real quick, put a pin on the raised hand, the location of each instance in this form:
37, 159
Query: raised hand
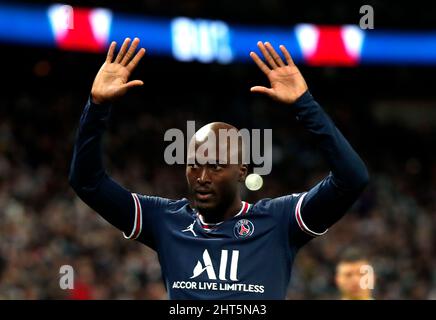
111, 81
287, 83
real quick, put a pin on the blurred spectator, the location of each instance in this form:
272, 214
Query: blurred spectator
355, 277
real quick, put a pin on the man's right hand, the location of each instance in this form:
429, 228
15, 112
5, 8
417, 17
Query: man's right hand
111, 81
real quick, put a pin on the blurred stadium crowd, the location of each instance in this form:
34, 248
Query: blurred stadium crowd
43, 225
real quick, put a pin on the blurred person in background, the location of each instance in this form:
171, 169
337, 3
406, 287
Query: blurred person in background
354, 276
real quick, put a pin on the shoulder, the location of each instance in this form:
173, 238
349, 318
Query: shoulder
149, 210
159, 203
279, 205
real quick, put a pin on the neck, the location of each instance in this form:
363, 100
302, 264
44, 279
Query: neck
363, 296
220, 214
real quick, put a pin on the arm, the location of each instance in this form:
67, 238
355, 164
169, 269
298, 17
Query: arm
328, 201
87, 175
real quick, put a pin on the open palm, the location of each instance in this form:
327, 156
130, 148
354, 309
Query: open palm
112, 80
287, 83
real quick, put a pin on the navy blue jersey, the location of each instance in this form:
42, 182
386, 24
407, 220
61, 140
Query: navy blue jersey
248, 256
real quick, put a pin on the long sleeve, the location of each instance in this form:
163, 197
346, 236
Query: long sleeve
88, 177
327, 201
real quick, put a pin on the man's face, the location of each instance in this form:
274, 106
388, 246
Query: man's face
213, 186
213, 176
348, 279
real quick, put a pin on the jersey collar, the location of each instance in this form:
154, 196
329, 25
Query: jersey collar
207, 226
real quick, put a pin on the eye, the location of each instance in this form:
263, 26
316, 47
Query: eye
216, 167
193, 165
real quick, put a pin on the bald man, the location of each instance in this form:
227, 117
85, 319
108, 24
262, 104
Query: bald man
215, 245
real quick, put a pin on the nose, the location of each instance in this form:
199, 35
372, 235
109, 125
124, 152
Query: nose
204, 176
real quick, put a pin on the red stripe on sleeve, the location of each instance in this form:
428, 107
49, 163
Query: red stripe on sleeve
138, 217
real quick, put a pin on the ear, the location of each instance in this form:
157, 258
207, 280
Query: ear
243, 170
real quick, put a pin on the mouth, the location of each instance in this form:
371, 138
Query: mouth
203, 195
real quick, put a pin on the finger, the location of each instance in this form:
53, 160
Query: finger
288, 57
130, 52
133, 83
134, 62
263, 90
122, 50
266, 55
262, 66
277, 59
110, 52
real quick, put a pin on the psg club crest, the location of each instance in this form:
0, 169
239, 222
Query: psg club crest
243, 228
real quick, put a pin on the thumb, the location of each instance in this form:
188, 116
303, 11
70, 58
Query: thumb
263, 90
133, 83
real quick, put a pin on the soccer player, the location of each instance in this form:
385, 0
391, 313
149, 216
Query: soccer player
354, 276
217, 246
